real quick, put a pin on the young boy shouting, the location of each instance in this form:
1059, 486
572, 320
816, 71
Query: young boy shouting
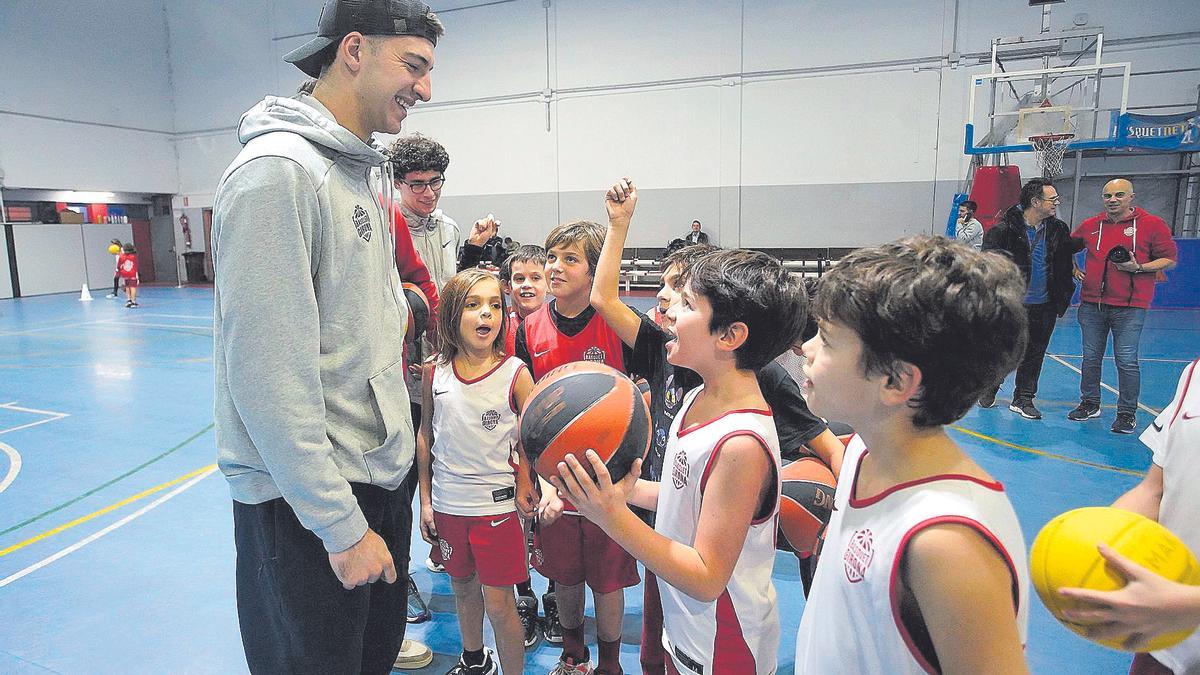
713, 543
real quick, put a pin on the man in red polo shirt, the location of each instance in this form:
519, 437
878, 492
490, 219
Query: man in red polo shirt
1118, 286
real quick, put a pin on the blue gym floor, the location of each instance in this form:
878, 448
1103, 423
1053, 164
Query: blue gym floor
116, 546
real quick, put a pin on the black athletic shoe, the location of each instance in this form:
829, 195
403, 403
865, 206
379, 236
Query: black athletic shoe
488, 667
1084, 411
418, 611
1124, 424
551, 628
988, 400
527, 610
1024, 408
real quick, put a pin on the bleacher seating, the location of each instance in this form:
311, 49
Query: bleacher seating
639, 266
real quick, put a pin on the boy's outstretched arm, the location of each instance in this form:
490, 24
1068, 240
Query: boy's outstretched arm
620, 201
965, 592
739, 481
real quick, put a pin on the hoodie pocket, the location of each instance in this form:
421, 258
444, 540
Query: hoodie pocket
388, 464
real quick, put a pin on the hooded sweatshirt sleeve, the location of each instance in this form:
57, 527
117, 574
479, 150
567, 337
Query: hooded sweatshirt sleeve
267, 242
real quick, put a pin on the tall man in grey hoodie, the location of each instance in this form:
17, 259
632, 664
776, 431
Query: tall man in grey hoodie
312, 416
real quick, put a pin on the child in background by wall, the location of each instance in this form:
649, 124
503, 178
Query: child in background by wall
116, 270
469, 463
127, 269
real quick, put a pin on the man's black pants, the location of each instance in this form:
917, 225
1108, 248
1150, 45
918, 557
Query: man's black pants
295, 616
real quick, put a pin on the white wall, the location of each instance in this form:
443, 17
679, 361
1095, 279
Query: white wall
752, 116
86, 96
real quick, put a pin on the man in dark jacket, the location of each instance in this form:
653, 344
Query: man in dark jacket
1041, 245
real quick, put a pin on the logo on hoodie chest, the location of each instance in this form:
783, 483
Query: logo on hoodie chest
362, 222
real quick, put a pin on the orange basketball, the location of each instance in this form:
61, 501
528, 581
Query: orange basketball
805, 504
581, 406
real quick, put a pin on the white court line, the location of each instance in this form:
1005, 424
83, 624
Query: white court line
53, 416
93, 537
46, 328
1110, 358
192, 326
14, 465
1141, 405
206, 317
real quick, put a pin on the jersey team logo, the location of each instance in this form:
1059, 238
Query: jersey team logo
858, 555
362, 223
446, 549
679, 472
660, 438
593, 354
490, 419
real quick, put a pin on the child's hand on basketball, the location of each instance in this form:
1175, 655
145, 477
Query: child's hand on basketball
428, 527
550, 507
595, 499
1149, 605
620, 201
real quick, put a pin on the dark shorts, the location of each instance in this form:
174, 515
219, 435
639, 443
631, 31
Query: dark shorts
574, 550
295, 616
492, 546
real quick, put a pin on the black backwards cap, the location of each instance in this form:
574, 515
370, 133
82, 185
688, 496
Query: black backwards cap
369, 17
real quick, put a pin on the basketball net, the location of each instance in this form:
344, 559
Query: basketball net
1050, 150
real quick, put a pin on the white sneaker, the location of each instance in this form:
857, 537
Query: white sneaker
413, 655
435, 567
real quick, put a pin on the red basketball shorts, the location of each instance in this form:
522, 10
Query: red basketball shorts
573, 549
492, 546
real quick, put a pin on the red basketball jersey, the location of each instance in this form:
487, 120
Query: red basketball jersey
127, 266
550, 348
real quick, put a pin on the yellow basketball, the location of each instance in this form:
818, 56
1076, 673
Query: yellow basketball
1064, 555
114, 249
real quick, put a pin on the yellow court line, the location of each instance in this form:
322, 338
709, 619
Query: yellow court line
107, 509
1049, 455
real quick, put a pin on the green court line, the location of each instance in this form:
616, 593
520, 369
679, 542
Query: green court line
98, 488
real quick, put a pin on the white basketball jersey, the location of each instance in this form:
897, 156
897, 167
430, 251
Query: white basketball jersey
1174, 437
739, 632
851, 623
474, 438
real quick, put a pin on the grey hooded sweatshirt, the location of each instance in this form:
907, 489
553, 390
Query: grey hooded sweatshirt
310, 393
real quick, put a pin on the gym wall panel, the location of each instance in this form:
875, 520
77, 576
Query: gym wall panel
494, 149
491, 50
202, 160
50, 259
840, 129
526, 217
221, 59
663, 138
835, 214
92, 60
662, 214
39, 153
623, 41
784, 35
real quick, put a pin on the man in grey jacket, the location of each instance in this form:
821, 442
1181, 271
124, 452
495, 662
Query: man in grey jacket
312, 416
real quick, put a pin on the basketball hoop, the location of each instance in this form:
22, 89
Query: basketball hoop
1050, 150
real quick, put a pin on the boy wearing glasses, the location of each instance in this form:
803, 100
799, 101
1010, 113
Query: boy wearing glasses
1041, 245
419, 166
